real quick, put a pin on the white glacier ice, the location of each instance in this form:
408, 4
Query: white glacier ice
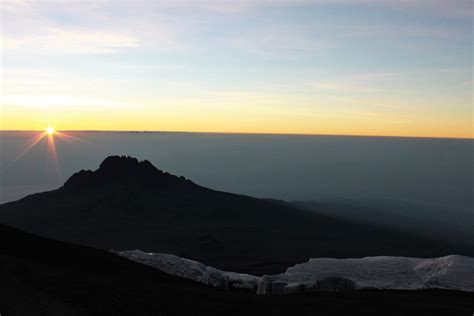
450, 272
192, 270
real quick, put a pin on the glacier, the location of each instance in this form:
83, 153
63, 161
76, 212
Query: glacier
452, 272
193, 270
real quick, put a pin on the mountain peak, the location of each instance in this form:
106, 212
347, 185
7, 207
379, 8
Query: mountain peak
125, 164
125, 171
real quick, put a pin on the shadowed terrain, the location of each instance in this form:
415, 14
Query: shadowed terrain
446, 223
127, 204
40, 276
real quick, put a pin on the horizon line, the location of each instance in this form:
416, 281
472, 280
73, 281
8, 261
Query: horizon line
244, 133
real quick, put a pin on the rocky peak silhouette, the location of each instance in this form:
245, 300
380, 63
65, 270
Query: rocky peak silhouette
126, 171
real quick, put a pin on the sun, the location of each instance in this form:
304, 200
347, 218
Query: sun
49, 130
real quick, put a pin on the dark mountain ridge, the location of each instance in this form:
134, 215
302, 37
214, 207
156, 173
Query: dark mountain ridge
41, 276
127, 171
127, 204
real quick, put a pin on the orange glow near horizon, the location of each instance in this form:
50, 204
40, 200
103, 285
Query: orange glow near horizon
448, 134
332, 119
257, 123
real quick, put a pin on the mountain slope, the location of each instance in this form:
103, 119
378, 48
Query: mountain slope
39, 276
429, 220
127, 204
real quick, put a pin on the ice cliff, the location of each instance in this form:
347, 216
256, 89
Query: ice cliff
450, 272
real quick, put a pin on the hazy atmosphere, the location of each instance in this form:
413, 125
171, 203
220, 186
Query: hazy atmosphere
434, 171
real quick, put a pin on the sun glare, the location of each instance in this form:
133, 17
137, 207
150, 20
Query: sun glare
49, 130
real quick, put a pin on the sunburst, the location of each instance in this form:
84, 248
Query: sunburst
49, 133
49, 130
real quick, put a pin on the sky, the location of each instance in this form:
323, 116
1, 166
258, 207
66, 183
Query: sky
350, 67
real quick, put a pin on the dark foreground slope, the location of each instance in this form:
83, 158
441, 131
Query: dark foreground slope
39, 276
127, 204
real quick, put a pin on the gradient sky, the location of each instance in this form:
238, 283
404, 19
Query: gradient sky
359, 67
